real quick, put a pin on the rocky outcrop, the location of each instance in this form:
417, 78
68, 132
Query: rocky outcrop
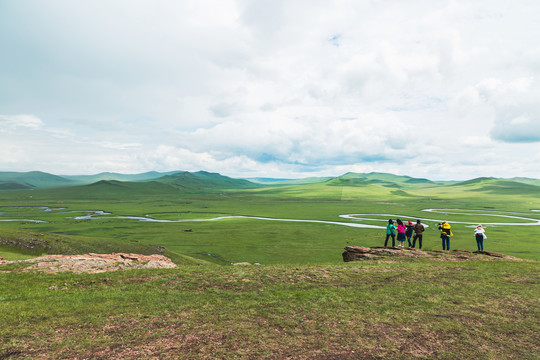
354, 253
96, 263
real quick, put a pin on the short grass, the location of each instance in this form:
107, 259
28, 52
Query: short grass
411, 310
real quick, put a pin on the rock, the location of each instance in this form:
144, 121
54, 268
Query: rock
386, 251
354, 253
242, 264
357, 249
353, 256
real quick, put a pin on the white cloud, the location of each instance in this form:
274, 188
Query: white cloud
513, 104
20, 121
273, 86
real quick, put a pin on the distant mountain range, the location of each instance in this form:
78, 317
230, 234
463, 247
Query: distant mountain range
88, 179
179, 179
202, 180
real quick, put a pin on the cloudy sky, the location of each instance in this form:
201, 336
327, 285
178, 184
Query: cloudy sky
274, 88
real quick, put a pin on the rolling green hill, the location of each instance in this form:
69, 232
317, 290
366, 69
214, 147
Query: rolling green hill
184, 180
526, 180
89, 179
352, 179
384, 179
203, 180
164, 187
475, 181
109, 190
14, 186
32, 179
511, 188
272, 181
498, 186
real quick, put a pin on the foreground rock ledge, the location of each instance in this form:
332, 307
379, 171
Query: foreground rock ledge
355, 253
95, 263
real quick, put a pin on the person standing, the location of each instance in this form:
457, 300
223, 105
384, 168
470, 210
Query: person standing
390, 231
446, 232
418, 230
401, 228
409, 232
480, 235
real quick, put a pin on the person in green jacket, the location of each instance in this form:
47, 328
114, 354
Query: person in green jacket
390, 231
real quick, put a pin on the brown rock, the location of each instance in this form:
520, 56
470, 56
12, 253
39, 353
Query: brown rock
357, 249
354, 256
386, 251
353, 253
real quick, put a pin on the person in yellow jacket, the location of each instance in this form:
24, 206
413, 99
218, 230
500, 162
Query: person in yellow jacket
446, 232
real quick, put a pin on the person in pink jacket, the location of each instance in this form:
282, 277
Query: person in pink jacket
401, 229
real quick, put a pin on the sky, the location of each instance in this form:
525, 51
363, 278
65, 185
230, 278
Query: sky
445, 90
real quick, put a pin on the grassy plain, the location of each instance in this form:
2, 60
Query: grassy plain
303, 302
266, 242
412, 310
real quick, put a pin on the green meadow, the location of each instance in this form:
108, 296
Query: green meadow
233, 240
301, 302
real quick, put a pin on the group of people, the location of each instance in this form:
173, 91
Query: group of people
405, 232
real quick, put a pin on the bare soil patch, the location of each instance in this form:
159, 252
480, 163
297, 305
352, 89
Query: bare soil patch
94, 263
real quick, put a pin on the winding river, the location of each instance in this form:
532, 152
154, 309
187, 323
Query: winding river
525, 221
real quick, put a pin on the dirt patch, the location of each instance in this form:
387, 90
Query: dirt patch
94, 263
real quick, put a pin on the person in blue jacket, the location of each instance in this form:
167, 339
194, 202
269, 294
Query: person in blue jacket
409, 232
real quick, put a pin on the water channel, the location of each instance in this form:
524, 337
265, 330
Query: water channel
526, 221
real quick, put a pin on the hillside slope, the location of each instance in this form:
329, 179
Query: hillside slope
203, 180
89, 179
498, 186
32, 180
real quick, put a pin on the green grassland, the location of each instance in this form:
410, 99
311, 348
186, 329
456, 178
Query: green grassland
303, 302
412, 310
183, 196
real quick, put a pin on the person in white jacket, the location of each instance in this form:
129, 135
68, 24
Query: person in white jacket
480, 235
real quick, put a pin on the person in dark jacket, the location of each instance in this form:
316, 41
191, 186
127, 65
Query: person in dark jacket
409, 232
418, 230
